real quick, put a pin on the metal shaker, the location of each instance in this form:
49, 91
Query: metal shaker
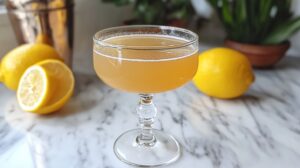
44, 21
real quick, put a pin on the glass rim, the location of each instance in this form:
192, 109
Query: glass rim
185, 44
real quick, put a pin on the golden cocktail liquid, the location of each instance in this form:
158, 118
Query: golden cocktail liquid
141, 70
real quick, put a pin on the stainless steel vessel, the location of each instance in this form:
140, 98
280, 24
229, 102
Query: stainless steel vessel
44, 21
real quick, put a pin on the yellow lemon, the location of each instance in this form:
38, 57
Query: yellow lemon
223, 73
34, 91
61, 84
14, 63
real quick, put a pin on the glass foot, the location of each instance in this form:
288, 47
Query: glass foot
163, 150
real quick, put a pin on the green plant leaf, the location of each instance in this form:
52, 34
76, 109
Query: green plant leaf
226, 13
158, 11
178, 2
265, 8
213, 3
283, 33
240, 18
119, 2
180, 14
241, 11
264, 19
150, 12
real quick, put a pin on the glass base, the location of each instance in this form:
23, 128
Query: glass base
165, 149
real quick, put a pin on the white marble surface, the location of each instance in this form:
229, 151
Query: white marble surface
258, 130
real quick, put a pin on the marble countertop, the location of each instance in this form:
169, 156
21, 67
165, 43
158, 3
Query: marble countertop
259, 130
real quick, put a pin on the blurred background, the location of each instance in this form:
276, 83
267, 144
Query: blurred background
93, 15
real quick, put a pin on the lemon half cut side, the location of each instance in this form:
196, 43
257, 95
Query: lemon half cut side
33, 91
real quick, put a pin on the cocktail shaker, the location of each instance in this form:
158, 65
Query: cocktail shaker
44, 21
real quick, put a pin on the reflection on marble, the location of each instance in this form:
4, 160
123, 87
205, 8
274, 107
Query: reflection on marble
258, 130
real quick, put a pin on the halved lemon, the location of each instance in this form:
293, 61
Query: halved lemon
45, 87
34, 88
63, 82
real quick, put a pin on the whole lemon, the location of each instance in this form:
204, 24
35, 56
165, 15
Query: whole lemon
223, 73
14, 63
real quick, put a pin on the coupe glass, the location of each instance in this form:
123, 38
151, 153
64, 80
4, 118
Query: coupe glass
146, 60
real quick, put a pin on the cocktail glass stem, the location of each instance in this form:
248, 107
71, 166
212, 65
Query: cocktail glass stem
147, 113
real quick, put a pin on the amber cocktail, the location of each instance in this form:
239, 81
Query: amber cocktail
146, 60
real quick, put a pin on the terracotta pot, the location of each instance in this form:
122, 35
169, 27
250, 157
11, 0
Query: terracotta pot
260, 56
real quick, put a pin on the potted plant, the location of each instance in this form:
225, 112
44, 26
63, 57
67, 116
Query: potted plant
258, 28
159, 12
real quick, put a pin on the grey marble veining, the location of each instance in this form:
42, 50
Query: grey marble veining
259, 130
